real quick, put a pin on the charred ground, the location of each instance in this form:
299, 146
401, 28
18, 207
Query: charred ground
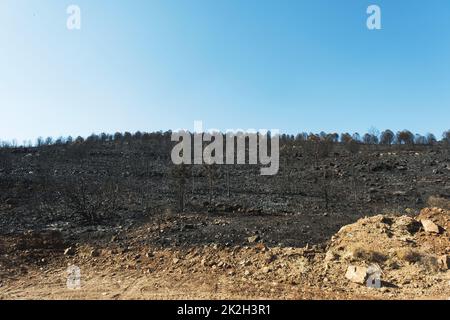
109, 183
127, 194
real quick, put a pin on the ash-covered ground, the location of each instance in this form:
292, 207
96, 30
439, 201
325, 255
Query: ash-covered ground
105, 198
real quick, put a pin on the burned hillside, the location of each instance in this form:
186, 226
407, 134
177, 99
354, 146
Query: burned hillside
104, 182
119, 202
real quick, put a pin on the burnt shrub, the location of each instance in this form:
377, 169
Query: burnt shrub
93, 201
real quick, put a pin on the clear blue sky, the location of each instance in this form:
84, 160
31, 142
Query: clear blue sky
276, 64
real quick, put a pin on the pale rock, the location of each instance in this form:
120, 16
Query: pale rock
356, 274
253, 239
69, 251
429, 226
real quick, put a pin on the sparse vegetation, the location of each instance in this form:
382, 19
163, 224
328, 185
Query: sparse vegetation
369, 255
409, 255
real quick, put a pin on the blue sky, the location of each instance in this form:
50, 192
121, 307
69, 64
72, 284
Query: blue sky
161, 64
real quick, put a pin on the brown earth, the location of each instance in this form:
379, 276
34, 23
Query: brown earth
125, 266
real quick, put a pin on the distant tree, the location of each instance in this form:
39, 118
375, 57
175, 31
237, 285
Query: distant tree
356, 137
48, 141
79, 140
420, 139
146, 137
40, 142
431, 139
405, 137
301, 136
387, 137
346, 138
138, 135
118, 137
103, 137
323, 135
375, 133
93, 138
333, 137
127, 136
446, 137
5, 144
60, 141
366, 138
370, 139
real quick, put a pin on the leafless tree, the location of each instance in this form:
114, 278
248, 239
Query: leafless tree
211, 174
325, 182
180, 175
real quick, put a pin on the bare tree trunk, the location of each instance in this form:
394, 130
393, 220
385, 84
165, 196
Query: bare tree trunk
210, 190
228, 181
193, 180
181, 198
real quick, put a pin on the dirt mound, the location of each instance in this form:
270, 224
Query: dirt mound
412, 253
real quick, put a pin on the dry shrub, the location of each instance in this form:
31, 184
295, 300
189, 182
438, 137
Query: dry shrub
428, 262
94, 201
409, 255
369, 255
439, 202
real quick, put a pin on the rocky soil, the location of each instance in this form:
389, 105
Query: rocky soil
414, 262
291, 236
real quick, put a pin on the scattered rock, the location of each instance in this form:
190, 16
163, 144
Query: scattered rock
69, 251
266, 270
429, 226
356, 274
253, 239
407, 225
330, 256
